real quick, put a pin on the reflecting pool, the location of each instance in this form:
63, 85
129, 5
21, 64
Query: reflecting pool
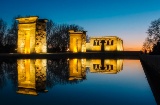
74, 82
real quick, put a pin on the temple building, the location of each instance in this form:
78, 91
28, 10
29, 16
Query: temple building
31, 35
99, 44
106, 66
77, 69
77, 41
31, 76
106, 43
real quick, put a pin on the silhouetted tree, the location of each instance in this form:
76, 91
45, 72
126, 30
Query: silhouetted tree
147, 45
153, 36
3, 28
156, 49
58, 36
11, 37
50, 31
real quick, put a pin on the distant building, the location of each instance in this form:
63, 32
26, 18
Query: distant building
105, 43
31, 35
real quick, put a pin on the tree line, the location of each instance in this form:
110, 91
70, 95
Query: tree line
8, 36
57, 36
151, 44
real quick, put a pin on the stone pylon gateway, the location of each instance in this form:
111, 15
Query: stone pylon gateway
77, 41
31, 35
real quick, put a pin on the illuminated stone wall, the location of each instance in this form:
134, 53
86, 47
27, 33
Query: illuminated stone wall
31, 76
77, 41
41, 44
31, 35
107, 43
109, 66
77, 69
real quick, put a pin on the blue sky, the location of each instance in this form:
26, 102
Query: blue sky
127, 19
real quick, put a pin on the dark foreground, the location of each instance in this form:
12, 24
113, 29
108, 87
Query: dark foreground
151, 67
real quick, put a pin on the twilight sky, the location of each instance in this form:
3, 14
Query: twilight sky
127, 19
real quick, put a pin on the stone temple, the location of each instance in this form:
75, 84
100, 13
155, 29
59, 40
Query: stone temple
98, 44
77, 41
105, 43
31, 35
32, 39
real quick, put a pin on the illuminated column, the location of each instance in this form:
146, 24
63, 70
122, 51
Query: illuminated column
119, 44
31, 35
77, 41
77, 69
31, 76
41, 43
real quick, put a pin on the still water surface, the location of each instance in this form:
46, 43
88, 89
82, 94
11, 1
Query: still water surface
74, 82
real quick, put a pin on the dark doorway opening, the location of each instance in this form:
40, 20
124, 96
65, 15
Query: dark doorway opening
102, 46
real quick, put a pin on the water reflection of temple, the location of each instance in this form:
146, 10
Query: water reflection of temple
77, 69
109, 66
31, 76
32, 73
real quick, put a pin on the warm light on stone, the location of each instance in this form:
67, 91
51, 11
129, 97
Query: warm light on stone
77, 69
31, 76
77, 41
108, 66
31, 35
106, 43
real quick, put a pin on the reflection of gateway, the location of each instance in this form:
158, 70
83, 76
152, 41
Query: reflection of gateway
31, 76
77, 69
109, 66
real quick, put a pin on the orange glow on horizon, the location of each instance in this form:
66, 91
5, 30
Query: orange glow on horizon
132, 47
